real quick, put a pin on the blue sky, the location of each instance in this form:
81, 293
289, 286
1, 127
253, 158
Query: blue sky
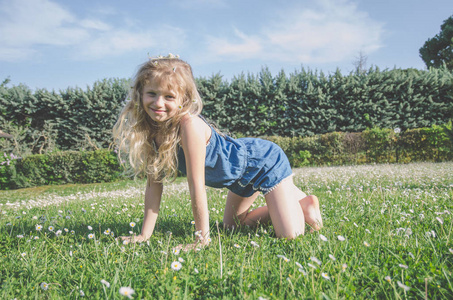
58, 44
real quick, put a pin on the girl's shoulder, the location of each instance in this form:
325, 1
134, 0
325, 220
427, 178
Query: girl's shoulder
195, 125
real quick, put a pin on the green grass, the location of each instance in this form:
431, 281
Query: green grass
396, 221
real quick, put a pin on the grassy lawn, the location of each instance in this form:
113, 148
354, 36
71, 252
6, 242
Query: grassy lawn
388, 234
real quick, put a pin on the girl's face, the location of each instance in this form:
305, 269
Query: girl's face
160, 102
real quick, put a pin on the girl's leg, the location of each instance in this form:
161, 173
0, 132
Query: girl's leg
310, 207
237, 211
285, 210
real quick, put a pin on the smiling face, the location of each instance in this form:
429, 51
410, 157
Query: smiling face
160, 101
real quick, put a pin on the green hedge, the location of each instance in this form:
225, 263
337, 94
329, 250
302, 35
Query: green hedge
60, 168
374, 145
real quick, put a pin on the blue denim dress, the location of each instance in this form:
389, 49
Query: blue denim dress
244, 165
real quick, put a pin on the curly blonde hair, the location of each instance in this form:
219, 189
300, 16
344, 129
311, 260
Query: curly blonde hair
135, 132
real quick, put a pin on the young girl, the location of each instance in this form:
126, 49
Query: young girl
162, 131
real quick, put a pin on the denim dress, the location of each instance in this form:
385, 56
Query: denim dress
243, 165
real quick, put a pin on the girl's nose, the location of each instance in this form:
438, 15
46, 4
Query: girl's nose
160, 100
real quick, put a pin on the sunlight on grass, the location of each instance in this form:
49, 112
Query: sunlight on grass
387, 234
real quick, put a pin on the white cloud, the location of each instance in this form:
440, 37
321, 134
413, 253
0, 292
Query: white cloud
25, 25
329, 31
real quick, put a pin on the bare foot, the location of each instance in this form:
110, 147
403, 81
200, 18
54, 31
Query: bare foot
312, 213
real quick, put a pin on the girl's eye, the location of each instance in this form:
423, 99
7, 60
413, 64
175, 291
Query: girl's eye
152, 94
170, 97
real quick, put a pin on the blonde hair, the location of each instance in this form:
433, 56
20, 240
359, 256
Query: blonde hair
135, 132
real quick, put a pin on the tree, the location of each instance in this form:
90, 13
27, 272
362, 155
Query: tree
438, 50
360, 63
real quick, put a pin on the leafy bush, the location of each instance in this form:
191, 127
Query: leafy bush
66, 167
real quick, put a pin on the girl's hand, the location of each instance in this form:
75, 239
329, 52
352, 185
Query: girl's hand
194, 246
133, 239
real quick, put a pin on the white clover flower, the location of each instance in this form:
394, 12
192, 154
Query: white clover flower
323, 238
176, 266
106, 283
404, 287
126, 291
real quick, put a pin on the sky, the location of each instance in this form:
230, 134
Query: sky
56, 44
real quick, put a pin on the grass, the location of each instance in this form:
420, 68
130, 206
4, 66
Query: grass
395, 220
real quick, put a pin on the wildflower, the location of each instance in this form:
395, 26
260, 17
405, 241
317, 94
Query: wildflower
82, 294
311, 266
323, 238
440, 220
356, 225
332, 257
283, 257
254, 244
176, 266
237, 246
314, 259
38, 227
19, 236
23, 254
127, 291
193, 222
325, 276
298, 264
181, 260
344, 267
163, 252
303, 271
367, 230
90, 228
403, 266
44, 286
66, 230
451, 250
107, 231
58, 232
341, 238
51, 228
404, 287
106, 283
366, 244
125, 242
397, 130
72, 232
91, 236
132, 224
388, 278
176, 251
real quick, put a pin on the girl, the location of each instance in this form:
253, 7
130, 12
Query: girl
162, 131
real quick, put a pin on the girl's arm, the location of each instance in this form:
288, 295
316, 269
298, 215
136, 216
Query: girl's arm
153, 196
193, 140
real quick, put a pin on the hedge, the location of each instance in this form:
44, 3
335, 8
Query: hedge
374, 145
60, 168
